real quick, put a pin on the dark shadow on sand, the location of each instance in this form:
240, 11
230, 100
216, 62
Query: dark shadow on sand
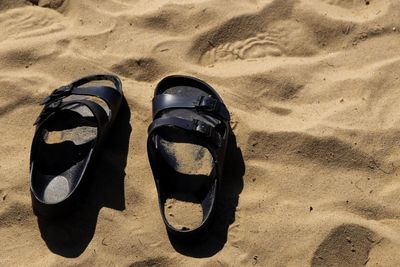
69, 236
217, 234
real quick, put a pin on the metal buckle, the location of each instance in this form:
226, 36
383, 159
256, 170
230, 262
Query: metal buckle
47, 110
202, 127
207, 103
59, 93
53, 102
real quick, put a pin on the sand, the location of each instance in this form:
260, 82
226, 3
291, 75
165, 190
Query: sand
314, 91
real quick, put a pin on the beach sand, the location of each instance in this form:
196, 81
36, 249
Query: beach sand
314, 91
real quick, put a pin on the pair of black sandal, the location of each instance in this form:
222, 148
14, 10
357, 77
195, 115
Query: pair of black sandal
186, 145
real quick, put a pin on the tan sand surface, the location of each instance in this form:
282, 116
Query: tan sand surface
314, 91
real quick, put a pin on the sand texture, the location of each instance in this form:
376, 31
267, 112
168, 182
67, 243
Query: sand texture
314, 91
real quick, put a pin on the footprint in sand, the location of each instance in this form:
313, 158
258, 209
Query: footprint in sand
29, 22
346, 245
140, 69
283, 38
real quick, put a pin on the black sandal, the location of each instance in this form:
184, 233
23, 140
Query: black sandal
186, 147
69, 132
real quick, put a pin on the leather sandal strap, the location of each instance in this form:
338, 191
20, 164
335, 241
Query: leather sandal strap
207, 104
204, 129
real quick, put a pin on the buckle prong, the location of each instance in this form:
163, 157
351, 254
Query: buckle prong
207, 103
201, 127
